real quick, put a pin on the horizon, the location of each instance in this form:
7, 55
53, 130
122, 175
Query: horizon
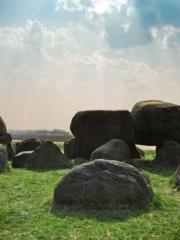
59, 57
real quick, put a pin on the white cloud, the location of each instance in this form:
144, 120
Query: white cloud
50, 74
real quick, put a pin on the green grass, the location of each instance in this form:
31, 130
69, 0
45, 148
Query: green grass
25, 211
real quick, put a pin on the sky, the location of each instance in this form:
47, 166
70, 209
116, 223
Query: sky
58, 57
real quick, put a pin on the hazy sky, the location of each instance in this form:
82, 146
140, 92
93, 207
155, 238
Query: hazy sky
61, 56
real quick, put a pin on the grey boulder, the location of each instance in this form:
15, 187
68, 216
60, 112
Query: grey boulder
103, 184
114, 149
47, 155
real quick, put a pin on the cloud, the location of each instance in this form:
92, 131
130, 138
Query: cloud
51, 73
128, 23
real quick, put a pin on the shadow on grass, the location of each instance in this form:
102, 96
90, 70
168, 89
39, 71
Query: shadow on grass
110, 215
153, 167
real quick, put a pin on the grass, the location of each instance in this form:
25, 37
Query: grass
25, 211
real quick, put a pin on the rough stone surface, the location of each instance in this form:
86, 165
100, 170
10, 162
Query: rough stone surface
177, 177
3, 159
95, 128
114, 149
21, 159
6, 138
75, 148
156, 122
2, 127
102, 184
47, 155
168, 154
29, 144
10, 151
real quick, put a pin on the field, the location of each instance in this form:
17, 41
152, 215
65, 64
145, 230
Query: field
25, 210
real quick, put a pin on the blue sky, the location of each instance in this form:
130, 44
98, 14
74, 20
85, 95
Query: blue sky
58, 57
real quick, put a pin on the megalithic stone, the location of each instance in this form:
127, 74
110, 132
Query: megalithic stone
10, 151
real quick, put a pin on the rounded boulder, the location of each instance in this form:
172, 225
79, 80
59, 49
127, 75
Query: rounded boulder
103, 184
47, 155
114, 149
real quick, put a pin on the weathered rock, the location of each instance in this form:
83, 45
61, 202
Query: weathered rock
2, 127
29, 144
102, 184
10, 151
156, 122
168, 154
47, 155
177, 177
75, 148
114, 149
95, 128
21, 159
6, 138
3, 159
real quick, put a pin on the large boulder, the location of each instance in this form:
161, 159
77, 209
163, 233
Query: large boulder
21, 159
114, 149
3, 159
6, 138
29, 144
2, 127
156, 122
95, 128
74, 148
177, 177
168, 154
47, 155
102, 184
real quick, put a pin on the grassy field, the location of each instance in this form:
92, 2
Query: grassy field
25, 210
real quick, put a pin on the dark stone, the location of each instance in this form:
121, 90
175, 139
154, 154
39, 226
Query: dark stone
95, 128
10, 151
134, 153
114, 149
47, 155
156, 122
21, 159
74, 148
3, 159
177, 177
6, 138
29, 144
2, 127
103, 184
168, 154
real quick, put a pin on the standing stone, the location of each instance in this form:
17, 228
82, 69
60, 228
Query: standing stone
103, 184
156, 122
114, 149
74, 148
2, 127
168, 154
